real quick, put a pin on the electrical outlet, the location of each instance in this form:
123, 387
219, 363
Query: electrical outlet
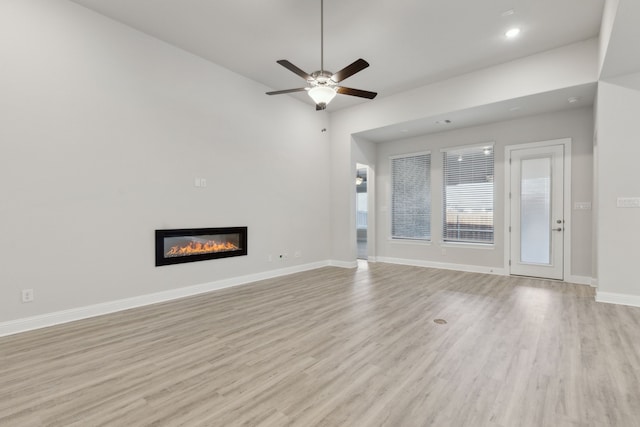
27, 295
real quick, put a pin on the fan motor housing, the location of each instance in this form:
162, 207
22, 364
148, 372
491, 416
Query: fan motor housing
322, 76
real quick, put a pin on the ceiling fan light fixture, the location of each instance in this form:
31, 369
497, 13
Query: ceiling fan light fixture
323, 84
322, 95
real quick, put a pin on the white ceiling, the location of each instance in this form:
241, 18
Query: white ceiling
409, 43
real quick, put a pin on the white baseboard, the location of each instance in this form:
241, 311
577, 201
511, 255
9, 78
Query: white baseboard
343, 264
444, 266
65, 316
621, 299
59, 317
579, 280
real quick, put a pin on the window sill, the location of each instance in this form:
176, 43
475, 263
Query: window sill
482, 246
411, 242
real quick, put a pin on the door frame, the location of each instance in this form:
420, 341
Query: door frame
566, 243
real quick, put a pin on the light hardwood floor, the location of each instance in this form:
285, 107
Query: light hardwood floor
336, 347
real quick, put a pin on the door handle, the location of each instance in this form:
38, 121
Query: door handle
557, 229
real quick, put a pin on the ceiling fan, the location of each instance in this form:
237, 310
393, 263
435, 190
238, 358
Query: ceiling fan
323, 85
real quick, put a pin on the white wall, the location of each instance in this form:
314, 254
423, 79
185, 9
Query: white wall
619, 38
102, 132
574, 124
606, 27
617, 150
618, 176
569, 66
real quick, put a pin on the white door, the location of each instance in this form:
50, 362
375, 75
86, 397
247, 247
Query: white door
537, 212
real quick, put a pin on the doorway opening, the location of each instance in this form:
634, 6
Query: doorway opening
362, 210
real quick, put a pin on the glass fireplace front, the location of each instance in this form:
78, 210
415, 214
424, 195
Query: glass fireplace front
199, 244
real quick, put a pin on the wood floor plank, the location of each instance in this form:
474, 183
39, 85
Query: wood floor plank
337, 347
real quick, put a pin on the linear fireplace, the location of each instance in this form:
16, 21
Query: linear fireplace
199, 244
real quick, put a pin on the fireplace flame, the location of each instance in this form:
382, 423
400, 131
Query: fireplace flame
196, 248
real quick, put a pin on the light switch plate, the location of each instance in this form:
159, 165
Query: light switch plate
629, 202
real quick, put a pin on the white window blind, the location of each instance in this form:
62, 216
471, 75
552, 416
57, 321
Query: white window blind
468, 194
411, 197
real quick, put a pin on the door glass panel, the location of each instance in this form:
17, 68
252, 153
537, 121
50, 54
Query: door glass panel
535, 211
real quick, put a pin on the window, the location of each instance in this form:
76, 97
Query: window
468, 194
361, 211
411, 197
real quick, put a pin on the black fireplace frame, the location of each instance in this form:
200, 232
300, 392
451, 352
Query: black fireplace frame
185, 232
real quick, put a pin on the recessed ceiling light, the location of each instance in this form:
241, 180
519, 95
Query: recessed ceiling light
508, 12
573, 99
512, 33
